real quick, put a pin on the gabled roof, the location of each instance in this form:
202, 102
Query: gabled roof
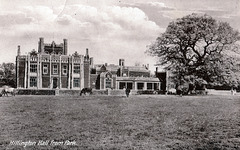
99, 67
104, 74
112, 67
137, 68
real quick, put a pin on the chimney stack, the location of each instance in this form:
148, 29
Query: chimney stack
91, 62
65, 47
18, 51
41, 45
86, 51
86, 55
121, 62
156, 71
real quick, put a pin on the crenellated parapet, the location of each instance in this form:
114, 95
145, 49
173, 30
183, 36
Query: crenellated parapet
52, 48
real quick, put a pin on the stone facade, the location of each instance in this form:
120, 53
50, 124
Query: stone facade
105, 76
52, 68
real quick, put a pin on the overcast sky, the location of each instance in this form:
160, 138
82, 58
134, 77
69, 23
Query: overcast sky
110, 29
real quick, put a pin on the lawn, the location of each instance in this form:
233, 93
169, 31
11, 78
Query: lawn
114, 122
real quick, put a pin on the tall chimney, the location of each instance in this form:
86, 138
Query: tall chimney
91, 62
86, 55
65, 47
41, 45
156, 71
18, 51
121, 62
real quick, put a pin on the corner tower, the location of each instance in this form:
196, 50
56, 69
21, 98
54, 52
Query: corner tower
86, 70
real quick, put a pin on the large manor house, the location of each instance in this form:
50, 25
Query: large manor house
51, 67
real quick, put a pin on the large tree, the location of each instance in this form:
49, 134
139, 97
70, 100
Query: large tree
7, 74
197, 46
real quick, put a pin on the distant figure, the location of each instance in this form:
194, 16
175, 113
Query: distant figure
205, 91
127, 91
233, 91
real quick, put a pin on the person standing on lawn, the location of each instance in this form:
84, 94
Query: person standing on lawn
127, 91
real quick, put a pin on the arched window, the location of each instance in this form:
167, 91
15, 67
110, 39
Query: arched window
108, 81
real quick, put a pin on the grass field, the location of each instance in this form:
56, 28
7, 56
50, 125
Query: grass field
112, 122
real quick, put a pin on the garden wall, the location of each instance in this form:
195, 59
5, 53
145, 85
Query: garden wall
220, 92
35, 92
61, 92
99, 92
68, 92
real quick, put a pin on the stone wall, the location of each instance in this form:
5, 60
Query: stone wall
93, 80
86, 74
69, 92
65, 92
99, 92
35, 92
45, 82
21, 73
64, 81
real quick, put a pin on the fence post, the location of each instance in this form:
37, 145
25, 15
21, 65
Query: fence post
57, 92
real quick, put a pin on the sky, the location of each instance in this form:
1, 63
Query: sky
110, 29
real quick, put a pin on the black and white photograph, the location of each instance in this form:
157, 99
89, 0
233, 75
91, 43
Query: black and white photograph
119, 74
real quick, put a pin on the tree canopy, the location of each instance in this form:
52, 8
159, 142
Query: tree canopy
197, 46
7, 74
